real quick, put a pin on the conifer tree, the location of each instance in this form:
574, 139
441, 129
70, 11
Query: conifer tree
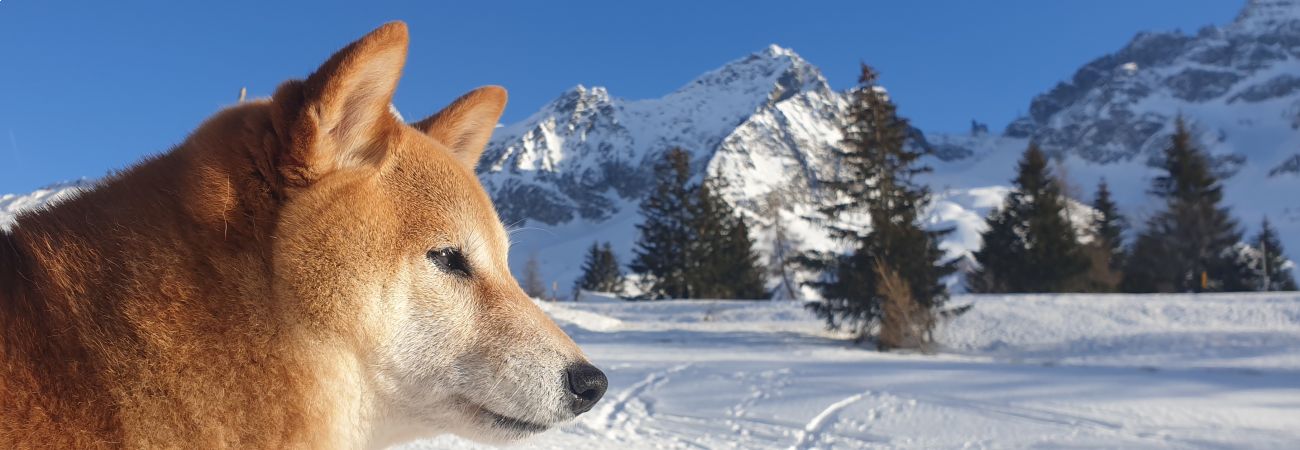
1109, 226
1001, 253
1105, 252
1030, 245
724, 263
877, 178
1187, 247
662, 256
1271, 268
600, 271
744, 272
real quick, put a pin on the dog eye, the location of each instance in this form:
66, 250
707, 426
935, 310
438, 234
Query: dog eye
450, 260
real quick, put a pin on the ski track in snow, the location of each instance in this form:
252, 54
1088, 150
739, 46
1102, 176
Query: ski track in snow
615, 411
1066, 371
813, 430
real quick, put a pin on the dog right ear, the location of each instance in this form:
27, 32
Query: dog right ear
466, 124
338, 118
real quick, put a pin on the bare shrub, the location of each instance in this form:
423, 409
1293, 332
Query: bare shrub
905, 323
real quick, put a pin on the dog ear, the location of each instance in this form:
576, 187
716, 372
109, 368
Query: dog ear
339, 116
466, 124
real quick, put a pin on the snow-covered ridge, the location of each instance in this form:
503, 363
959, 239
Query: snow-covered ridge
12, 204
1267, 14
765, 124
587, 150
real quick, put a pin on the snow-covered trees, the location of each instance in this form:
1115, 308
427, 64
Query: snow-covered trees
1030, 245
878, 167
693, 244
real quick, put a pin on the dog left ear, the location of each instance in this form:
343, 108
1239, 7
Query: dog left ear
467, 123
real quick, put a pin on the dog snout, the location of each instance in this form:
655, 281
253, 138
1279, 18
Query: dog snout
587, 384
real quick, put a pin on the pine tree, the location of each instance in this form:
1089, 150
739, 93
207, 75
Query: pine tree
743, 273
662, 255
1105, 252
600, 271
1271, 268
1109, 226
1030, 245
1001, 254
724, 263
878, 168
1189, 246
533, 285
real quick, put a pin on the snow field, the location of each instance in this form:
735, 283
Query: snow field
1091, 371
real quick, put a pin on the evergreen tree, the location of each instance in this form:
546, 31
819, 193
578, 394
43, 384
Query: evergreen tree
1001, 253
1105, 253
1189, 246
724, 264
744, 272
1109, 226
662, 255
878, 168
1271, 268
600, 271
1030, 245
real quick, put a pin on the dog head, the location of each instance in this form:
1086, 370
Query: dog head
386, 240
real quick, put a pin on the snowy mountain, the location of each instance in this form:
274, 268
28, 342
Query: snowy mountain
1240, 83
574, 171
765, 124
1237, 85
586, 152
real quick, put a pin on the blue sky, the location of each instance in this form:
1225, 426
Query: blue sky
90, 86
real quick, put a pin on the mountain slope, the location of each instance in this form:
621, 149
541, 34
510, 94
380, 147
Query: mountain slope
765, 124
1240, 83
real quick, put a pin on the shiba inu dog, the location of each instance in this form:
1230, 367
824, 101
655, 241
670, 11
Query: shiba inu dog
303, 271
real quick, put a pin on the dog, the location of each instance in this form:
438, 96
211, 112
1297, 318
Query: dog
303, 271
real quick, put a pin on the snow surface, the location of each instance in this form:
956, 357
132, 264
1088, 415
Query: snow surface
1072, 371
1098, 371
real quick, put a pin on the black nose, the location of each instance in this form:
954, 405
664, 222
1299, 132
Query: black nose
587, 383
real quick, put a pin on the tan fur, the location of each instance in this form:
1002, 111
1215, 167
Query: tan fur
265, 284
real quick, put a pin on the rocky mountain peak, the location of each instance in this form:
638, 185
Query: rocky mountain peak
774, 70
1267, 15
1117, 107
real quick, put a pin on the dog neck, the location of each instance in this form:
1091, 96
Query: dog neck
158, 282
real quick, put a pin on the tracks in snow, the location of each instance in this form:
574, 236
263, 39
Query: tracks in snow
616, 412
813, 430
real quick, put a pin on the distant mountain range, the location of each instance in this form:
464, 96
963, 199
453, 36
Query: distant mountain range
766, 123
574, 171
